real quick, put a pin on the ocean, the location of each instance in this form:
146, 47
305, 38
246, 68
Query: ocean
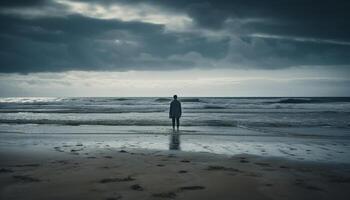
274, 115
308, 128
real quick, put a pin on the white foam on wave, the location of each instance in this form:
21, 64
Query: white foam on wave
201, 111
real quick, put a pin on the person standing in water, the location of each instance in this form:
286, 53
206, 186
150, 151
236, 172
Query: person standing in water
175, 112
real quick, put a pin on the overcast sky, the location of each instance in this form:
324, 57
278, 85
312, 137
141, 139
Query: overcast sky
161, 47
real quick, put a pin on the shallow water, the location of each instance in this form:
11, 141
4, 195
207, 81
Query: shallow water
296, 148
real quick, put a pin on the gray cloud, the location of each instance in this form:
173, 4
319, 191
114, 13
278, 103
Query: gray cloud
321, 19
298, 32
268, 53
22, 3
76, 42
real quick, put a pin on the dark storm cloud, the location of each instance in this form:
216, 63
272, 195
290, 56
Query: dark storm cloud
295, 32
76, 42
21, 3
302, 18
309, 18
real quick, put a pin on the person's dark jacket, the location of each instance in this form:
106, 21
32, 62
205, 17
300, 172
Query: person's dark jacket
175, 109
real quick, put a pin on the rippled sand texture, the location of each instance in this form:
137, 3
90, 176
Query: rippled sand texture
97, 170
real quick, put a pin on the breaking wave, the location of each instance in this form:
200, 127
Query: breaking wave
313, 100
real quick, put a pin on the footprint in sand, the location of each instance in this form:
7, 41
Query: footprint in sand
243, 160
263, 164
284, 167
109, 157
170, 195
114, 197
222, 168
110, 180
195, 187
136, 187
311, 187
4, 170
58, 149
27, 165
182, 171
76, 150
252, 174
26, 179
63, 162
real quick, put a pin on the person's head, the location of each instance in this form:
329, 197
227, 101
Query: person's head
175, 96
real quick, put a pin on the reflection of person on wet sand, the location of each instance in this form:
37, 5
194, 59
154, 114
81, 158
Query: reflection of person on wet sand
175, 112
174, 143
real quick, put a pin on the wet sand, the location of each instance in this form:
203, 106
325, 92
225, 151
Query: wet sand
82, 171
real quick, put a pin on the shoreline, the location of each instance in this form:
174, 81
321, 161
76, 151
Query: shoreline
319, 149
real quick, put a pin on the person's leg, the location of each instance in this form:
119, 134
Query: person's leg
173, 121
178, 122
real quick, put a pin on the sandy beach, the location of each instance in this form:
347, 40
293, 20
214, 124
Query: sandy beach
81, 169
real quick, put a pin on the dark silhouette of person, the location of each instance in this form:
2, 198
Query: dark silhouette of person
175, 112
